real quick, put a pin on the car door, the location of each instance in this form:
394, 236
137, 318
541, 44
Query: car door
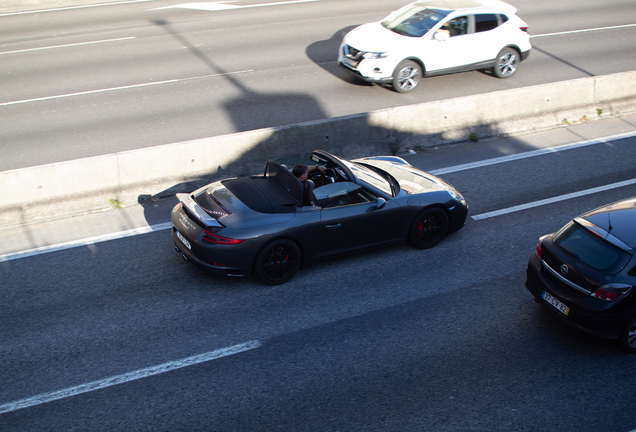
352, 217
439, 55
488, 37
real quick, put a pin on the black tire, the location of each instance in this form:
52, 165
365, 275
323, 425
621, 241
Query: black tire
627, 339
507, 63
429, 228
278, 262
406, 76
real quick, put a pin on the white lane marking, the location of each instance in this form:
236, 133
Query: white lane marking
121, 88
67, 45
219, 6
583, 31
127, 377
73, 7
168, 225
553, 200
532, 153
84, 242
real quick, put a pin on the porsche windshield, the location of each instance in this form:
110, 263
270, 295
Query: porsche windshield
414, 20
381, 182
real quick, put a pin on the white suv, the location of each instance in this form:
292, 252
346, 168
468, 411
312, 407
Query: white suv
435, 37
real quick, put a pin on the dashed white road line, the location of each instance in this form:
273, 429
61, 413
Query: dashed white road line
127, 377
121, 88
553, 200
67, 45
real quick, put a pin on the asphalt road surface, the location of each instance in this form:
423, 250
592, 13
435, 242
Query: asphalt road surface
85, 81
124, 335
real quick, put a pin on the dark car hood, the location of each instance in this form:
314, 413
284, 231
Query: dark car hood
411, 179
618, 219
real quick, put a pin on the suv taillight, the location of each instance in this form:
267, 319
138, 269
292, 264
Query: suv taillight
524, 29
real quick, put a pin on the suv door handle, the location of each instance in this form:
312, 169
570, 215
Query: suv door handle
333, 226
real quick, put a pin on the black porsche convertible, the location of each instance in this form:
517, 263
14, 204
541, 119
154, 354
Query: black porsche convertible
271, 224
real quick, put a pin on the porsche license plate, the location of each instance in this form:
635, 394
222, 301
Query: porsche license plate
184, 240
555, 303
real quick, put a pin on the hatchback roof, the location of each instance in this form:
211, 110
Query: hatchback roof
618, 218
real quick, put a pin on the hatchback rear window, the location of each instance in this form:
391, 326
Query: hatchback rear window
592, 251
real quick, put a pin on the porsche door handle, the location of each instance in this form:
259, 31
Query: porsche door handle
333, 226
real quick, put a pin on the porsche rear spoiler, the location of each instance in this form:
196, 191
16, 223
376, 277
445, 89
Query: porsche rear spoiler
197, 211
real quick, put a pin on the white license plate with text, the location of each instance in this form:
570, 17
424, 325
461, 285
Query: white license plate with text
184, 240
555, 303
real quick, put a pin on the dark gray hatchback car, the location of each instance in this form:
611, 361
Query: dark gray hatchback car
585, 273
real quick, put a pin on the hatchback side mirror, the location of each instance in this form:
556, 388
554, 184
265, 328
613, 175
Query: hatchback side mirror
381, 203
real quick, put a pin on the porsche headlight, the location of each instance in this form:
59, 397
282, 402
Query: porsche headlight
376, 55
455, 195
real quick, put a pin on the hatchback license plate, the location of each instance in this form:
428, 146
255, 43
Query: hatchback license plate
555, 303
183, 240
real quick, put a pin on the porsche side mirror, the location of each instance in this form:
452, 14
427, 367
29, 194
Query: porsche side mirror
381, 203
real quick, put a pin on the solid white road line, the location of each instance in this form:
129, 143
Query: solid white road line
67, 45
221, 6
74, 7
533, 153
84, 242
121, 88
168, 225
127, 377
553, 200
583, 31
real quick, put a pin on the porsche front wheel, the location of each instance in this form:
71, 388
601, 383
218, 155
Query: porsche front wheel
429, 228
277, 262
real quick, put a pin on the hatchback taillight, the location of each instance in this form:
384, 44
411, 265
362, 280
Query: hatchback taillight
538, 249
612, 292
209, 237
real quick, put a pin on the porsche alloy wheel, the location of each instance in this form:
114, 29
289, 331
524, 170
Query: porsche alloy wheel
429, 228
277, 262
406, 76
627, 339
507, 62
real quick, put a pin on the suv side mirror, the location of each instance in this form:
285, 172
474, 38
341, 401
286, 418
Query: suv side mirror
441, 36
381, 203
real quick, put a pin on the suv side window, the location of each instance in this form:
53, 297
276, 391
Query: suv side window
485, 22
458, 26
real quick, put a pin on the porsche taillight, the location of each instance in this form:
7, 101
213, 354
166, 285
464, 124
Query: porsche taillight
212, 238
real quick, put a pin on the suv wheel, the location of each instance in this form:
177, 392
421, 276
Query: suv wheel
406, 76
507, 62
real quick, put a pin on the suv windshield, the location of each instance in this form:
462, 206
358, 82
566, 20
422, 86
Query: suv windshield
591, 250
414, 20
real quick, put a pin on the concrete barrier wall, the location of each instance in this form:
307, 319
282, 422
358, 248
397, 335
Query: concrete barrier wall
43, 192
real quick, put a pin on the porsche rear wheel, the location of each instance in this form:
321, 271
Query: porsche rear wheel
429, 228
277, 262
